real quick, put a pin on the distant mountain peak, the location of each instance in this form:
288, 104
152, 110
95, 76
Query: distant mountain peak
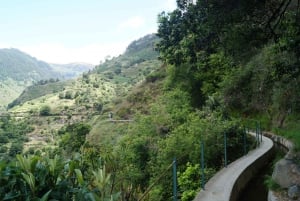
20, 66
72, 70
19, 70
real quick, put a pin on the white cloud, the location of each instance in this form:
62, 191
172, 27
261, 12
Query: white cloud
5, 45
58, 53
133, 22
169, 5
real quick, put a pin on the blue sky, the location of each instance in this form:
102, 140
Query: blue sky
64, 31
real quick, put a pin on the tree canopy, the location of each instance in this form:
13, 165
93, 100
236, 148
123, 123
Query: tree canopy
207, 41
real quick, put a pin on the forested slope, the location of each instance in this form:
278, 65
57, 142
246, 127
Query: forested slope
244, 55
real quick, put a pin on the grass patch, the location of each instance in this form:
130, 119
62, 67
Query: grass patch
107, 132
291, 131
271, 184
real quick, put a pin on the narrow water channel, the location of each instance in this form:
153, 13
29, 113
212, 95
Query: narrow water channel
256, 190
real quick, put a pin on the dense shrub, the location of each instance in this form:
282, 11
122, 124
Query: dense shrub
16, 148
45, 110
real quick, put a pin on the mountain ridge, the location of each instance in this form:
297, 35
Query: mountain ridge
21, 66
19, 70
71, 70
109, 79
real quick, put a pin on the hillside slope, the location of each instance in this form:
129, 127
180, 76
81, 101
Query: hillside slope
135, 64
223, 71
19, 70
97, 90
20, 66
91, 97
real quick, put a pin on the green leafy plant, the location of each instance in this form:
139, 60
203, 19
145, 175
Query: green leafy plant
271, 184
45, 110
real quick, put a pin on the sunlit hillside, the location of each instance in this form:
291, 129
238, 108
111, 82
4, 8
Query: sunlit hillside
19, 70
91, 96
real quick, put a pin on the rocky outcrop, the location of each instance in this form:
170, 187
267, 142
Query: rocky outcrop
273, 197
286, 172
294, 192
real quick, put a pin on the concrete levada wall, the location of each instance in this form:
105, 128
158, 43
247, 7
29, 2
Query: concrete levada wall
249, 172
253, 169
228, 183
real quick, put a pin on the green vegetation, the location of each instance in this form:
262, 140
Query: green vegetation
223, 64
52, 178
291, 130
169, 127
73, 137
253, 69
12, 136
19, 66
97, 88
41, 88
18, 71
188, 181
138, 61
45, 110
10, 89
271, 184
